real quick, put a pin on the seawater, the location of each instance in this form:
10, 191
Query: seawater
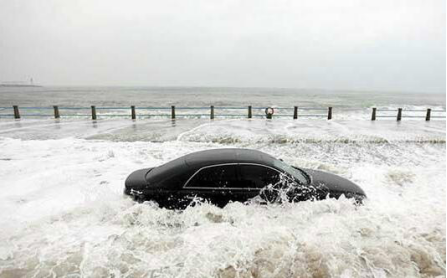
199, 96
62, 212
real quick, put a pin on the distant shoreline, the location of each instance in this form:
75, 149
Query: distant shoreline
229, 88
19, 85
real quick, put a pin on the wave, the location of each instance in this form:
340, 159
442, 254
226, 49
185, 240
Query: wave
282, 140
62, 211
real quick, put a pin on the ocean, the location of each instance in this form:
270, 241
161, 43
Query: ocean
63, 214
346, 104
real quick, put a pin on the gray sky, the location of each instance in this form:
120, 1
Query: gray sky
350, 44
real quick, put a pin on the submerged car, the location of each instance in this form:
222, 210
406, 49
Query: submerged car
221, 176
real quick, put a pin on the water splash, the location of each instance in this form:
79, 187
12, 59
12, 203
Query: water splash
62, 213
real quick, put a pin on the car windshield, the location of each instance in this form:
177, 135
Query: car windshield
297, 174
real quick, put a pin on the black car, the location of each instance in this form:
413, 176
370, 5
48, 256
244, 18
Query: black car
224, 175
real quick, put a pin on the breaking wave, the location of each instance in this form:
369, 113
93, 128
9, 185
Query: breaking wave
63, 214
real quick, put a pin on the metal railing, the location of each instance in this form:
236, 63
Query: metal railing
211, 112
423, 114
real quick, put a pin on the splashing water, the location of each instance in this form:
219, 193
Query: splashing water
63, 214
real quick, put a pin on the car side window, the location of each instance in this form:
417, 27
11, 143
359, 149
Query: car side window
257, 176
214, 177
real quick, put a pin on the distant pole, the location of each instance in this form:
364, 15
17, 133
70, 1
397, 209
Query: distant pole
329, 113
373, 116
399, 114
56, 112
427, 117
295, 112
249, 112
16, 112
93, 112
172, 112
212, 112
133, 113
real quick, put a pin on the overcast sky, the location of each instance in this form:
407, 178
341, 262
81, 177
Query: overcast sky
348, 44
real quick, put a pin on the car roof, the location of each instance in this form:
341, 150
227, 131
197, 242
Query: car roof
197, 160
227, 155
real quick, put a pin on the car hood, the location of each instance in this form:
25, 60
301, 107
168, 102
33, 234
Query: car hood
333, 183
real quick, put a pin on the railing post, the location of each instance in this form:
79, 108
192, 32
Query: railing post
16, 112
56, 112
212, 112
295, 112
329, 113
172, 112
373, 116
399, 114
133, 113
249, 112
427, 117
93, 112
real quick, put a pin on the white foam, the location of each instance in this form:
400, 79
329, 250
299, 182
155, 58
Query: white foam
62, 211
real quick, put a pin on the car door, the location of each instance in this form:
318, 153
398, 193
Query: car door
212, 183
253, 178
